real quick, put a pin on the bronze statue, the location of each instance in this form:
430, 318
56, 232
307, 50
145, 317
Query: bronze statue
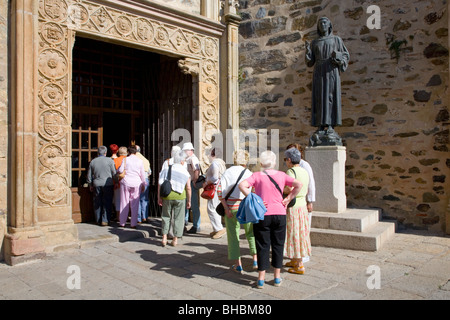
330, 57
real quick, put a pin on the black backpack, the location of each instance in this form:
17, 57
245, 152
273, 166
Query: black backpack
166, 187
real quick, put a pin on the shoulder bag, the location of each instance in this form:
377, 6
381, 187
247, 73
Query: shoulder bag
120, 175
209, 191
166, 187
220, 209
292, 202
201, 178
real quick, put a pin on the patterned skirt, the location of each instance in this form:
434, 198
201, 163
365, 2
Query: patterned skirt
298, 242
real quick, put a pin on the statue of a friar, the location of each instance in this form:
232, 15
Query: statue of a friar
330, 57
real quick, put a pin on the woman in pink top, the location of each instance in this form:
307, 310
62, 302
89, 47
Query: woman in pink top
270, 232
131, 187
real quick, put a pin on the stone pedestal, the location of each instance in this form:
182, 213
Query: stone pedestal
328, 165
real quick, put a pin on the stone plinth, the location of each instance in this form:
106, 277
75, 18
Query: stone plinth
328, 165
355, 229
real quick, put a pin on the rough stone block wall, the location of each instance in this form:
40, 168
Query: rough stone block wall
3, 118
394, 96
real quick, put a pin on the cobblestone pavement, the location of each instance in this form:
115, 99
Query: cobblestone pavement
122, 263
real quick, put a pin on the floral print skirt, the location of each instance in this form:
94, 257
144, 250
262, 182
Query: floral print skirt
298, 242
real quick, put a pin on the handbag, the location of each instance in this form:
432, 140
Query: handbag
209, 191
200, 180
292, 202
166, 187
120, 175
220, 208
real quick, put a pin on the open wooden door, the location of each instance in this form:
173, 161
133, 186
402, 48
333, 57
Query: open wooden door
86, 138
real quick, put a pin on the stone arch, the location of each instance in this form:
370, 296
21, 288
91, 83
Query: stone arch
134, 24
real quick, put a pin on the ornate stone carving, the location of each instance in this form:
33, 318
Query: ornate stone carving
52, 157
53, 64
189, 66
209, 68
53, 125
209, 90
52, 187
124, 25
211, 47
101, 19
162, 36
52, 94
144, 30
59, 20
55, 10
78, 14
52, 33
195, 44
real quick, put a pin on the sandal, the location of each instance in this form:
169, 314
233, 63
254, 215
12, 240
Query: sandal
277, 282
260, 284
237, 269
297, 270
174, 243
291, 264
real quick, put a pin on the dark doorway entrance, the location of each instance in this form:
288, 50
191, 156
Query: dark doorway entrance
123, 95
116, 129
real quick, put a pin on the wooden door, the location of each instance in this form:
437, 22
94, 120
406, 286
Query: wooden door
86, 138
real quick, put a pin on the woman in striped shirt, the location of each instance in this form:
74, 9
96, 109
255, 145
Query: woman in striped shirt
227, 182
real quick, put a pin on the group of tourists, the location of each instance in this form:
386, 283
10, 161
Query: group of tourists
283, 230
120, 182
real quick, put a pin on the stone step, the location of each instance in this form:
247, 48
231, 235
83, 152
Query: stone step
372, 239
357, 220
90, 235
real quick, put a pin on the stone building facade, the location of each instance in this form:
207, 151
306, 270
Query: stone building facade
395, 99
394, 96
36, 125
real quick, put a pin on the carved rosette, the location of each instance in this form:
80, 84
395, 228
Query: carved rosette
59, 20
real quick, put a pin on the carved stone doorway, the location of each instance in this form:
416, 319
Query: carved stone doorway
43, 34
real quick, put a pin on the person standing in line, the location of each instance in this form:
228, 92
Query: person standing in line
100, 179
229, 181
270, 233
173, 206
131, 186
193, 167
114, 149
213, 174
122, 154
298, 243
169, 162
311, 195
144, 197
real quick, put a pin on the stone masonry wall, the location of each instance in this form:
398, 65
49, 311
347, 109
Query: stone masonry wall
394, 96
3, 118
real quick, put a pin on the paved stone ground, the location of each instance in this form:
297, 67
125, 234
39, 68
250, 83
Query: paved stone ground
131, 264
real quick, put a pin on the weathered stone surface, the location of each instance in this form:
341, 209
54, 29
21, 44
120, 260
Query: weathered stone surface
395, 107
422, 96
379, 109
435, 50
